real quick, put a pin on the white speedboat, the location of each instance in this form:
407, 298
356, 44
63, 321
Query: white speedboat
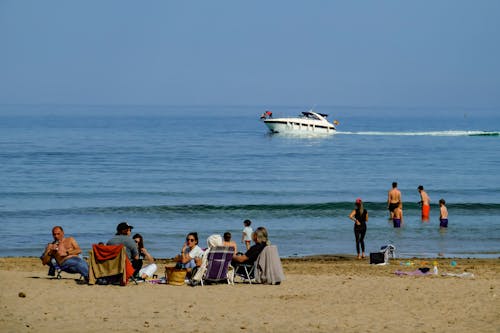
309, 122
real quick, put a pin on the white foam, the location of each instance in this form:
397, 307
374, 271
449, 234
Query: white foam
430, 133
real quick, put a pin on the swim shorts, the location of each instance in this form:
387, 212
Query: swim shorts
397, 223
443, 223
425, 212
393, 206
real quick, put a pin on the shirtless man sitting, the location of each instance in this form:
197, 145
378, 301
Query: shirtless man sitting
393, 199
65, 251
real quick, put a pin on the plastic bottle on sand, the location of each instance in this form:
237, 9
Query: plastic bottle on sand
435, 270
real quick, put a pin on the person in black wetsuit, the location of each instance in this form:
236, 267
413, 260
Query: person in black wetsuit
360, 216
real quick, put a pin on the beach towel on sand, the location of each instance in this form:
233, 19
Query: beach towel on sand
418, 272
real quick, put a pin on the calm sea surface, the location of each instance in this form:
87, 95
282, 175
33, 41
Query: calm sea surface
171, 170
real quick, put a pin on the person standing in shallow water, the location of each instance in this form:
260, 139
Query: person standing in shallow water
393, 199
443, 214
360, 216
425, 202
397, 218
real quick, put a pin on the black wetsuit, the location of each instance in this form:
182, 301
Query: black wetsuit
360, 230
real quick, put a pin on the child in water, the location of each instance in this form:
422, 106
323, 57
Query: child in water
443, 214
397, 218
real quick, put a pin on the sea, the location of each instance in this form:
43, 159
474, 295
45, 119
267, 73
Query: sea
170, 170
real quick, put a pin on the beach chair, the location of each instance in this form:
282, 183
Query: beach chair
110, 263
218, 265
245, 271
268, 268
55, 269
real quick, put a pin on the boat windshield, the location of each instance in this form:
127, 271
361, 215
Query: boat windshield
311, 115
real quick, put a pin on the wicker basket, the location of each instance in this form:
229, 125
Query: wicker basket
175, 276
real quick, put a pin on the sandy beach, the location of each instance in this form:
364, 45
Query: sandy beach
320, 294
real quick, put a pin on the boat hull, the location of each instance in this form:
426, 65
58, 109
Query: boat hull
298, 126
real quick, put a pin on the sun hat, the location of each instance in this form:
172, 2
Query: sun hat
214, 240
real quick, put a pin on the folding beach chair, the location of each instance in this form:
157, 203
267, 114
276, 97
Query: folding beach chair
245, 271
110, 262
218, 263
267, 268
55, 269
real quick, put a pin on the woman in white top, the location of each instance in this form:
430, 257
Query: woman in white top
190, 253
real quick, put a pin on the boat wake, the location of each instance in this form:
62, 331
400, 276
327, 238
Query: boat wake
430, 133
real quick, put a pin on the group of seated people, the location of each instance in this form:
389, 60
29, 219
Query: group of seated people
64, 252
192, 256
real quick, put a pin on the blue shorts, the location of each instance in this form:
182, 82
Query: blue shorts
190, 264
397, 223
443, 223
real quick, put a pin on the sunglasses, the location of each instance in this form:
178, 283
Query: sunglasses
190, 240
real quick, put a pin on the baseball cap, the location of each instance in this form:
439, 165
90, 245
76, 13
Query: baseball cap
123, 226
358, 200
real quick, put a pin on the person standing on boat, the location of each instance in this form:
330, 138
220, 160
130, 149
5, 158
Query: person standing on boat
360, 216
425, 202
267, 114
393, 199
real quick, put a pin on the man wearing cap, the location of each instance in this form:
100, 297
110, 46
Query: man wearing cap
123, 231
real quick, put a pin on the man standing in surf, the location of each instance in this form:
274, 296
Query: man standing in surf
425, 202
393, 199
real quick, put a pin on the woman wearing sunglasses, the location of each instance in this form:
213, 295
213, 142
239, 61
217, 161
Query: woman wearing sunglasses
190, 253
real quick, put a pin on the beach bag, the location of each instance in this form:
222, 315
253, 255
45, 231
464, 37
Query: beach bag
389, 251
377, 258
175, 276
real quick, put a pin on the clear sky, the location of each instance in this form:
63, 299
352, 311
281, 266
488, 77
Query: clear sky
324, 52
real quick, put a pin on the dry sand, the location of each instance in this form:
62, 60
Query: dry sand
327, 294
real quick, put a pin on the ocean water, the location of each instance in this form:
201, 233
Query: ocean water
170, 170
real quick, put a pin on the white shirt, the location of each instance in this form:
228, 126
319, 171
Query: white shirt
196, 252
248, 233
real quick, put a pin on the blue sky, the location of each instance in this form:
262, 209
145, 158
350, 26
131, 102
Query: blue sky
357, 53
